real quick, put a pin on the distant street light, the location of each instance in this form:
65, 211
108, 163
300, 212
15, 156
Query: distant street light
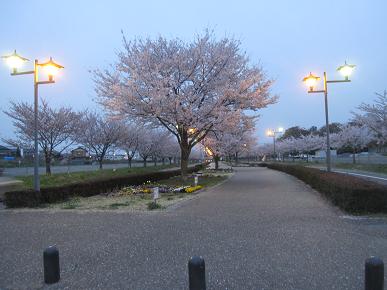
273, 133
16, 61
311, 82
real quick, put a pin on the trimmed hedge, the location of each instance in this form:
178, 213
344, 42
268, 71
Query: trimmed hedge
350, 193
31, 198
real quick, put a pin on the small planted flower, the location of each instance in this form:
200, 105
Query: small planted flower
193, 188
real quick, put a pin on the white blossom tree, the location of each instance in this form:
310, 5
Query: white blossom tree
55, 128
129, 140
230, 138
353, 136
183, 86
374, 116
98, 134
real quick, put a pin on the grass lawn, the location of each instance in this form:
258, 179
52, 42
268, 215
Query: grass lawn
74, 177
378, 168
126, 200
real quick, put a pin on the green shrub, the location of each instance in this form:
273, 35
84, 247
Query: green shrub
31, 198
262, 164
350, 193
153, 205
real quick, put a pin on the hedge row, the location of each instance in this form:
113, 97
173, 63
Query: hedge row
31, 198
350, 193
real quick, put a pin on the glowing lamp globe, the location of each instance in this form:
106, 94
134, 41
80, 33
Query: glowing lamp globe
346, 69
280, 129
14, 61
269, 133
311, 81
51, 68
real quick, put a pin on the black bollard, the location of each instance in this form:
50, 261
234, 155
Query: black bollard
51, 265
374, 274
197, 273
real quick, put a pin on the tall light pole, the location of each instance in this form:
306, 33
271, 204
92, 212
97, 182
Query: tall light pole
15, 61
273, 133
311, 81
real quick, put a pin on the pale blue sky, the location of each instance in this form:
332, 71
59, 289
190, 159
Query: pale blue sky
289, 39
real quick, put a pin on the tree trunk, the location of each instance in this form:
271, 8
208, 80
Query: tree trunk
144, 159
216, 159
129, 162
155, 161
100, 161
170, 160
185, 151
236, 158
354, 156
47, 159
163, 160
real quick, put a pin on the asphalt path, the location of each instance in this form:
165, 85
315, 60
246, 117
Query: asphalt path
261, 229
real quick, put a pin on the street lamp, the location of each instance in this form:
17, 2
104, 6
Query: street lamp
273, 133
311, 82
15, 61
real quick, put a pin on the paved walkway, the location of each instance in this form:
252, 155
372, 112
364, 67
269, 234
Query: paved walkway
261, 229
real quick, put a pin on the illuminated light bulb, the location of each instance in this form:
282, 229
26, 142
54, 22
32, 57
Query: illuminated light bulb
51, 68
14, 61
346, 69
311, 81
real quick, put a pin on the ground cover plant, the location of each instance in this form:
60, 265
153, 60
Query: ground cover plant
140, 197
52, 194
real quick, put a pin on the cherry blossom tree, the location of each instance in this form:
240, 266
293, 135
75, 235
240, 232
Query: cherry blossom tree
55, 128
186, 87
151, 144
230, 138
129, 140
353, 136
171, 150
374, 116
98, 134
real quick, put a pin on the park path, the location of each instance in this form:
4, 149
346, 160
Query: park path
261, 229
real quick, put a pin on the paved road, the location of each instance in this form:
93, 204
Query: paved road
23, 171
261, 229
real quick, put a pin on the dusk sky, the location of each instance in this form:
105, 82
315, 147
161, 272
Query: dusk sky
288, 38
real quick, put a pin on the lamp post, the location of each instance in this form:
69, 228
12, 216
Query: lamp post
311, 81
273, 133
15, 61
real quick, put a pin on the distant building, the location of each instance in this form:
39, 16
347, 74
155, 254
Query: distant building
80, 155
9, 152
79, 152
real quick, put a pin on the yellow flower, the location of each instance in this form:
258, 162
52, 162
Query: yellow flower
193, 188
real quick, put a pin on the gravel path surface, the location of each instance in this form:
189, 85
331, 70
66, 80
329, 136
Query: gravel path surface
261, 229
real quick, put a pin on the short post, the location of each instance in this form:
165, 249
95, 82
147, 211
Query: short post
51, 265
196, 180
374, 274
156, 193
197, 273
